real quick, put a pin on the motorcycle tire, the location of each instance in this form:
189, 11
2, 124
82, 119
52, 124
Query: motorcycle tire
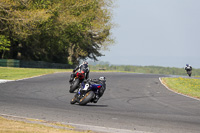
73, 101
87, 98
74, 86
189, 73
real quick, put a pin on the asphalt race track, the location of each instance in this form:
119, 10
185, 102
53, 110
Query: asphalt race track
136, 103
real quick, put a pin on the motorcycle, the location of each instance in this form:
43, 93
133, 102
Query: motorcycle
89, 92
189, 73
75, 84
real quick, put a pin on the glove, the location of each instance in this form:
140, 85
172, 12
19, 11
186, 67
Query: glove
74, 71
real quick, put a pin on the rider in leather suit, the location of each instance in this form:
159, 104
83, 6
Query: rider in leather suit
84, 66
188, 67
102, 81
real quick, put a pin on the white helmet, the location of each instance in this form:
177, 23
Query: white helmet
102, 78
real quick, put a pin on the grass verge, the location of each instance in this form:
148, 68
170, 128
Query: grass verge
30, 126
186, 86
10, 73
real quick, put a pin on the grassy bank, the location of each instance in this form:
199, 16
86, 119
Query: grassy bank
31, 126
20, 73
186, 86
10, 73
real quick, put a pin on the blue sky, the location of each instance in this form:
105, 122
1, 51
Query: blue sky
156, 32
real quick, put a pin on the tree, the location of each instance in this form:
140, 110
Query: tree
4, 45
62, 31
88, 30
20, 20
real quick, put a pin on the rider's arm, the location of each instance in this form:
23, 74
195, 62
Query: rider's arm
185, 67
75, 69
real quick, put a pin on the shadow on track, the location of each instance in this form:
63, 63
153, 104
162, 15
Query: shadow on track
91, 105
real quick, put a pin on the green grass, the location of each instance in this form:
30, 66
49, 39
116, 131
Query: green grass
17, 126
10, 73
186, 86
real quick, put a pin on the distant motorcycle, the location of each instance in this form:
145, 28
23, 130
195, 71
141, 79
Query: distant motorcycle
89, 92
75, 84
188, 70
189, 73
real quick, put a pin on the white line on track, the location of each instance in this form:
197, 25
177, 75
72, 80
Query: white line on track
4, 81
104, 129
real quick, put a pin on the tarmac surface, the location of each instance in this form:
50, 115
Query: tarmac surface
132, 103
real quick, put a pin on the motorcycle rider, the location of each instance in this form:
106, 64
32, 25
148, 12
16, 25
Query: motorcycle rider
100, 80
188, 68
84, 66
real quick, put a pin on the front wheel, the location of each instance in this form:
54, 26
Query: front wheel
87, 98
74, 100
74, 86
189, 73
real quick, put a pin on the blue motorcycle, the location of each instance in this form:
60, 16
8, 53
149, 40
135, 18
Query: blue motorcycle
91, 90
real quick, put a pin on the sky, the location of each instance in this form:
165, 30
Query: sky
155, 32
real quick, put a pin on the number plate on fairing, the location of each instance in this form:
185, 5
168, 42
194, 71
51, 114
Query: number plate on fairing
86, 87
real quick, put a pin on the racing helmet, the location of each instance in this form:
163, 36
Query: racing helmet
102, 78
84, 67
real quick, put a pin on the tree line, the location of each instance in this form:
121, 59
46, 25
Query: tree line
59, 31
143, 69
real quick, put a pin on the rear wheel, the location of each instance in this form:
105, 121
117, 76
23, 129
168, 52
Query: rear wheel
74, 86
87, 98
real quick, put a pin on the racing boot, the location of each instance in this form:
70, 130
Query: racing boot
96, 99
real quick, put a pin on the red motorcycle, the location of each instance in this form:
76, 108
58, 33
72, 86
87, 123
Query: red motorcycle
79, 77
